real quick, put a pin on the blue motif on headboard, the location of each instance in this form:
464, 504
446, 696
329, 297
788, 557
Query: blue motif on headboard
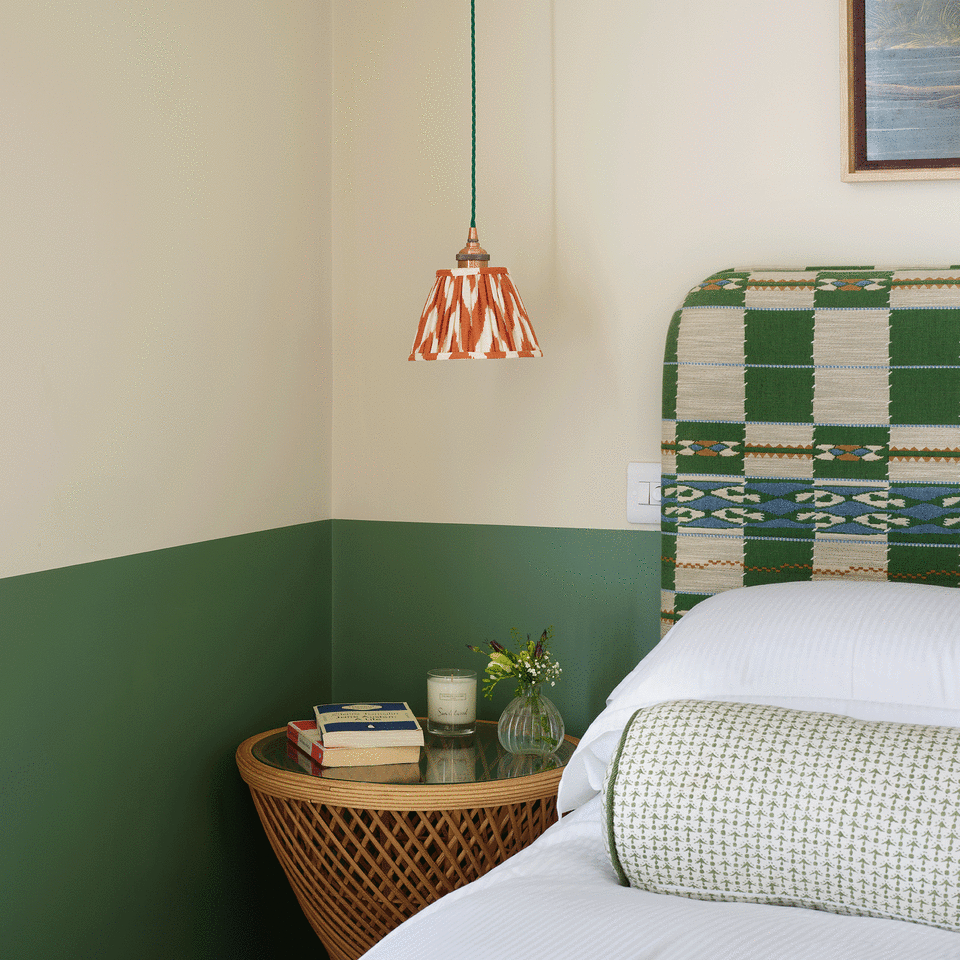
811, 429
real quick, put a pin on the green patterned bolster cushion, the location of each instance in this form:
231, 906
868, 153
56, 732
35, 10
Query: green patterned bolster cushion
734, 801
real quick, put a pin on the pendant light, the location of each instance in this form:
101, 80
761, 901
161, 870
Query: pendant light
474, 311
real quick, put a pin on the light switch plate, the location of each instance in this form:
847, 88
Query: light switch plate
643, 493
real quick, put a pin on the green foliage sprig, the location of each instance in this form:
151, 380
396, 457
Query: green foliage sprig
531, 664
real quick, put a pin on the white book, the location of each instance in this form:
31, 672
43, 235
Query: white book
304, 734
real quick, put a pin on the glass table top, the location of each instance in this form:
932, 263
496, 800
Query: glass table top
475, 758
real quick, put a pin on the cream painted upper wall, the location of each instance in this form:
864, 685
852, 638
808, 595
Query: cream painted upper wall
627, 148
164, 266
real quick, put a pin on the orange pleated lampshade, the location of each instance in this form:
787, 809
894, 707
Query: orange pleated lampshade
474, 313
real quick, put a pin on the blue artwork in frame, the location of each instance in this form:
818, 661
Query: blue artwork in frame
903, 89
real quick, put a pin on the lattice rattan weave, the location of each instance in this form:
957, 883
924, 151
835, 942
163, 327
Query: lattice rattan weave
363, 857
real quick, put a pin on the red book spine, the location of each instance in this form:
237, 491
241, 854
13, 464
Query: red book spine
304, 734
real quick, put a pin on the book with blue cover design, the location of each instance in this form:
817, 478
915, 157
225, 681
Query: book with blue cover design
383, 724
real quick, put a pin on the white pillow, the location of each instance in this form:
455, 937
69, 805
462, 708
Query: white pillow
872, 650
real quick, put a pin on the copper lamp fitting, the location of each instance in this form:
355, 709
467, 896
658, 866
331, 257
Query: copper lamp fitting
472, 255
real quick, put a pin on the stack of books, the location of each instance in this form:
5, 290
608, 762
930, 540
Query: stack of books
359, 734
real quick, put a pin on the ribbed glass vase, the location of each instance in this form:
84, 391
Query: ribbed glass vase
531, 723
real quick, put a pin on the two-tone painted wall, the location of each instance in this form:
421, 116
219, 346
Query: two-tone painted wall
165, 425
227, 493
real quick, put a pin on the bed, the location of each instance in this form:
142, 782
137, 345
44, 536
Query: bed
780, 776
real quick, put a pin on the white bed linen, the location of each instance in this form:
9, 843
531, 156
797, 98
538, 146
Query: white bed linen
559, 900
870, 650
875, 651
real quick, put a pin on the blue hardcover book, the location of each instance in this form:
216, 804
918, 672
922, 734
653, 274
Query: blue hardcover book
384, 724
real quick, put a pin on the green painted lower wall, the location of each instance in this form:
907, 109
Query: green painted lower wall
128, 684
126, 688
410, 596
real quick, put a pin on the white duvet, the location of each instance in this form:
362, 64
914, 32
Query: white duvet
870, 650
559, 900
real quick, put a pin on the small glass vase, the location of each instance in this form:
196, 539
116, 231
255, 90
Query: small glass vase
531, 723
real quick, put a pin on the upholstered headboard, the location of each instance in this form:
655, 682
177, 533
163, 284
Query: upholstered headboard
811, 429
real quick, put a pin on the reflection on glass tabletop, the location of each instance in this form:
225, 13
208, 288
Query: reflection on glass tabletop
474, 758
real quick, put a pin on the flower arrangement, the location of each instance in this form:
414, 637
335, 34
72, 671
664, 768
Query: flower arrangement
530, 665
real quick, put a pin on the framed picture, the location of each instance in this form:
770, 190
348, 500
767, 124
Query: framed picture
901, 62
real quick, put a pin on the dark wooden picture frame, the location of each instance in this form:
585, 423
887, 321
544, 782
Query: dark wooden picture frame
896, 56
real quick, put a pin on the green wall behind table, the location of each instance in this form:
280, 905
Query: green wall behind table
126, 687
410, 596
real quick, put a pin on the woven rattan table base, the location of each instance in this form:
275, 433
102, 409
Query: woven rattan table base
362, 857
359, 873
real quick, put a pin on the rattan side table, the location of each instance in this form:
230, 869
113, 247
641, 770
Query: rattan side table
362, 854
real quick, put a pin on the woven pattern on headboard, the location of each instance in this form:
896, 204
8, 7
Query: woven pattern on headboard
811, 429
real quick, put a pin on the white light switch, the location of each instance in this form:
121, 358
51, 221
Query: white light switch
643, 493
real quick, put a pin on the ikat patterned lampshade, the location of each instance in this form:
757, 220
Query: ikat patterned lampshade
474, 311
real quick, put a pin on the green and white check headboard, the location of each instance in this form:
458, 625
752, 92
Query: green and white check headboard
811, 429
